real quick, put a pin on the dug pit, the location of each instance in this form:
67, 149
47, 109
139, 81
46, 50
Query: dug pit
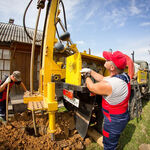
18, 133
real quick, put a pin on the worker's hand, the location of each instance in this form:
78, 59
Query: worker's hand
85, 70
8, 80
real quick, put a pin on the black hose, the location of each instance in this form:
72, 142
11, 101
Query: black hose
64, 14
24, 25
33, 52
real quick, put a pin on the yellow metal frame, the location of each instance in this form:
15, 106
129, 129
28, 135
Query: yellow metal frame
49, 69
73, 68
92, 56
33, 98
142, 77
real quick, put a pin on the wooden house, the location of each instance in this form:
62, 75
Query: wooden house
15, 51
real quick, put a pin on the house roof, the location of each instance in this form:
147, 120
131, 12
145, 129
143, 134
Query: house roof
11, 32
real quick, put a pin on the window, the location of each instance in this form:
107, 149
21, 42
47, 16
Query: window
5, 56
1, 65
6, 64
0, 53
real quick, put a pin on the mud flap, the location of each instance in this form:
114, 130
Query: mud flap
83, 116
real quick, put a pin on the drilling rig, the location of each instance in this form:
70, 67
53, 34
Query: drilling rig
60, 76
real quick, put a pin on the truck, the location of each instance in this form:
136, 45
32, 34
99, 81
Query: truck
61, 79
139, 88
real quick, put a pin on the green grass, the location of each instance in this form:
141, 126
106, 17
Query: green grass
94, 146
62, 109
135, 133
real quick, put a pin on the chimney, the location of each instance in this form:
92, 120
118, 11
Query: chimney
11, 21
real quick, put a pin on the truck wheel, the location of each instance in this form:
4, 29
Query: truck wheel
135, 105
132, 106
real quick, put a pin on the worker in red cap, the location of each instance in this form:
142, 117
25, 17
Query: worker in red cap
14, 78
115, 90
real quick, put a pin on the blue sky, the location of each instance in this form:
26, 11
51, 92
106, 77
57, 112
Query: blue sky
96, 24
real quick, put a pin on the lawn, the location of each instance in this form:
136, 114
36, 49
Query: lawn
135, 133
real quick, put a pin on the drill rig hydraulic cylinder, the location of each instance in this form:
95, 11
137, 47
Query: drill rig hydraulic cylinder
52, 107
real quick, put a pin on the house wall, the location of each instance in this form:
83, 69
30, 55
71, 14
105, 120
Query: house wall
5, 61
17, 57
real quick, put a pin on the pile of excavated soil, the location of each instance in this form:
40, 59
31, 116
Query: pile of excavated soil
18, 133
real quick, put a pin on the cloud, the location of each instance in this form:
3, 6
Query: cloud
92, 11
145, 24
139, 45
71, 8
9, 10
15, 9
133, 9
90, 14
80, 42
142, 53
122, 24
115, 17
115, 13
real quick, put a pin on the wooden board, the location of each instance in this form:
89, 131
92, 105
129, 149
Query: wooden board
36, 106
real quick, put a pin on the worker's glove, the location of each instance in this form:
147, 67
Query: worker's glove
85, 70
8, 80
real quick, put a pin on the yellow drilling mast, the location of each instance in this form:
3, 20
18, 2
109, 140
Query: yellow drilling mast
52, 71
60, 76
49, 69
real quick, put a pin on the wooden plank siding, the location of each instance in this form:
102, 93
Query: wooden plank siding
14, 39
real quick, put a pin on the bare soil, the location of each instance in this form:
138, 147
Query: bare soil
18, 133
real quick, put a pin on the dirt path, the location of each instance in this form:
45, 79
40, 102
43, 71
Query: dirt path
19, 133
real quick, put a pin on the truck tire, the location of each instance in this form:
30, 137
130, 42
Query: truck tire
135, 103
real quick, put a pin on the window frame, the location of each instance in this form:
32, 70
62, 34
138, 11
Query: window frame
5, 70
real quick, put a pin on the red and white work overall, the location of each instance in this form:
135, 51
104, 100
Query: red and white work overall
3, 99
116, 117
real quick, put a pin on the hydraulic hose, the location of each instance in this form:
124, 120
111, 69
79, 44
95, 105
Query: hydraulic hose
65, 22
24, 25
64, 14
33, 51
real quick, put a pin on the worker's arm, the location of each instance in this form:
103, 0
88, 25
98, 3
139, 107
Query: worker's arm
101, 88
2, 87
23, 86
96, 76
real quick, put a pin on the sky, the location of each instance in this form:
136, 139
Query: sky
96, 24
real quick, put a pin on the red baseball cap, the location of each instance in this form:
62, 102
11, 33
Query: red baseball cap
117, 58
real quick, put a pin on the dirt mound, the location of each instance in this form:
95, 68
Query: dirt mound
19, 133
